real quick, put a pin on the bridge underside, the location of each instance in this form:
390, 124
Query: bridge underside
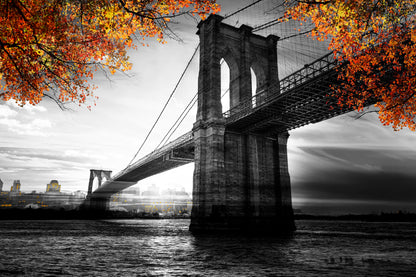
176, 153
169, 160
241, 177
299, 105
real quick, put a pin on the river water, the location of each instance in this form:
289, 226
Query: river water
167, 248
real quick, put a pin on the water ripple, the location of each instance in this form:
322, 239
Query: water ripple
167, 248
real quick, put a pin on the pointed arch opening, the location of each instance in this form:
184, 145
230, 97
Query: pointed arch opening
253, 88
95, 184
258, 83
253, 82
225, 86
230, 78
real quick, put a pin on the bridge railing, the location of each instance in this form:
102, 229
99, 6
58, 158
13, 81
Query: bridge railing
158, 152
308, 72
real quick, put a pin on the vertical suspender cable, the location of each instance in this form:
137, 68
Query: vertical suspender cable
177, 84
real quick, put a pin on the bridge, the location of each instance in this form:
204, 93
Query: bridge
241, 178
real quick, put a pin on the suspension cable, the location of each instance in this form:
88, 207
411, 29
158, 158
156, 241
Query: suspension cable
180, 122
296, 35
268, 24
174, 90
242, 9
184, 114
193, 101
164, 107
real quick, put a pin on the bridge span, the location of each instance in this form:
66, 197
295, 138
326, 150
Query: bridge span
241, 177
302, 99
176, 153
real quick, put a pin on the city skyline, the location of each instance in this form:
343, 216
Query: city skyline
341, 162
54, 186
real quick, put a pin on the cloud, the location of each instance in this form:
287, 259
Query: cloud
6, 112
374, 160
386, 187
20, 120
72, 156
27, 108
366, 132
37, 166
5, 169
339, 175
35, 127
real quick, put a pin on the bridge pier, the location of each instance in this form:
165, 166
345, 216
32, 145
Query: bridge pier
242, 183
241, 179
99, 174
97, 203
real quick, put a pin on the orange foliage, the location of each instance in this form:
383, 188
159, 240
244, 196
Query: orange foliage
377, 39
50, 48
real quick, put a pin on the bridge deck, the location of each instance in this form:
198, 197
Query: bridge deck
300, 99
173, 154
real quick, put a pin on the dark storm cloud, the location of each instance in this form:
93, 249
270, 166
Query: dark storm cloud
372, 160
357, 174
359, 186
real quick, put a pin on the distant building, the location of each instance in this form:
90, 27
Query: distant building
57, 200
152, 190
53, 186
1, 185
80, 194
168, 202
132, 191
16, 186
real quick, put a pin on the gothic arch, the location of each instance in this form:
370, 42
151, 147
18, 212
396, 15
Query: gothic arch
241, 180
230, 58
261, 76
100, 175
242, 50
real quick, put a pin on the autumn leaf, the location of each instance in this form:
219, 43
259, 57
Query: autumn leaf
52, 48
377, 40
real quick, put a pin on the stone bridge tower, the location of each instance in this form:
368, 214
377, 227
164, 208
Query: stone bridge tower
99, 174
241, 179
99, 202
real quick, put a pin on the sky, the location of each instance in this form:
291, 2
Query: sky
341, 165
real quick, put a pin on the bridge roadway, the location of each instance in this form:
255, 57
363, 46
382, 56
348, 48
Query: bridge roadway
303, 99
174, 154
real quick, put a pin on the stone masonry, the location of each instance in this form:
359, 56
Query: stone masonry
241, 180
98, 202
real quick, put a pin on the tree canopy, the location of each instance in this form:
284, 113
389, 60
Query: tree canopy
376, 39
51, 48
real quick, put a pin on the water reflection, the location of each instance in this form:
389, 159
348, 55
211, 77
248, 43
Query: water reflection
167, 248
240, 255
